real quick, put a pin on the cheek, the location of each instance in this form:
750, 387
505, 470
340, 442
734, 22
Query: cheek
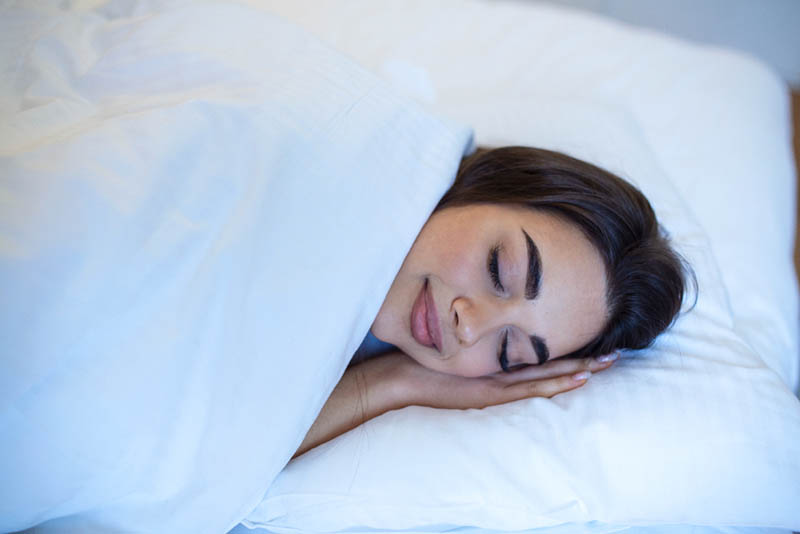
477, 360
575, 313
445, 249
458, 265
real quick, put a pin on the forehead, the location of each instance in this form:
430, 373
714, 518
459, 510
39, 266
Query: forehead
571, 307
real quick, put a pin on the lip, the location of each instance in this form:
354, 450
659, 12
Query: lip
433, 318
425, 321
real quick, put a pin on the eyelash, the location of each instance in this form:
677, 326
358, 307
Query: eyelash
504, 354
493, 265
494, 268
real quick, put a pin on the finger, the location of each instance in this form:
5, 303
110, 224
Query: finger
561, 367
546, 387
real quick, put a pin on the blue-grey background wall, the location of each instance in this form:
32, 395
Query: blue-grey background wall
768, 29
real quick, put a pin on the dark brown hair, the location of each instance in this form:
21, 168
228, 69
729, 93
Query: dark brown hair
646, 278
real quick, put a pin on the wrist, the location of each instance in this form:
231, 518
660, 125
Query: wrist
389, 382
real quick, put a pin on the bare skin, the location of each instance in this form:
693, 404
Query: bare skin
474, 264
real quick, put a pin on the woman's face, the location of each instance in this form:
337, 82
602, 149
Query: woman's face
489, 282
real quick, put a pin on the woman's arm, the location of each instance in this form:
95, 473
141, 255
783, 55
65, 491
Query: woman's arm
365, 391
394, 381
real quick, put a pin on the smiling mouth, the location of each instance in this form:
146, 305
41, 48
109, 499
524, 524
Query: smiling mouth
425, 321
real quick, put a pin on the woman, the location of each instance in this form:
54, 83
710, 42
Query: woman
532, 271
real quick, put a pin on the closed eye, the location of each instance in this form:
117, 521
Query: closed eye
493, 264
504, 358
504, 354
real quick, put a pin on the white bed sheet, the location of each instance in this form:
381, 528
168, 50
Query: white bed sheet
570, 529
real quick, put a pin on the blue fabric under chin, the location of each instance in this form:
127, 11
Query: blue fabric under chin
369, 348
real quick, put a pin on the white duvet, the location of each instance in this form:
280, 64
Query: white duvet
195, 233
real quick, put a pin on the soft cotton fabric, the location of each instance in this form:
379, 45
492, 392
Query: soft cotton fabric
200, 212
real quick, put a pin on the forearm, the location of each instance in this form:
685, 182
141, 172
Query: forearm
365, 391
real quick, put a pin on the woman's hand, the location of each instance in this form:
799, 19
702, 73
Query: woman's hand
394, 381
418, 385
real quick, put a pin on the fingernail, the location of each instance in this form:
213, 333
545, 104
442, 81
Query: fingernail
583, 375
608, 357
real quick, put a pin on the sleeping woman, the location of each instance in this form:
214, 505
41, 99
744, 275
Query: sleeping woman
533, 270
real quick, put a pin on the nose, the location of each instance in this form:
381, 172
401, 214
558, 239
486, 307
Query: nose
474, 318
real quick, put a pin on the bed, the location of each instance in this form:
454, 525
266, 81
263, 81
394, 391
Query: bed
138, 165
527, 73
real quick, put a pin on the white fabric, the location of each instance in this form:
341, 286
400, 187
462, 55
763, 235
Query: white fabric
200, 212
700, 430
568, 528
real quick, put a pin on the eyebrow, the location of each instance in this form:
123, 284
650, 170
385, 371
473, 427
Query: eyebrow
532, 284
534, 279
